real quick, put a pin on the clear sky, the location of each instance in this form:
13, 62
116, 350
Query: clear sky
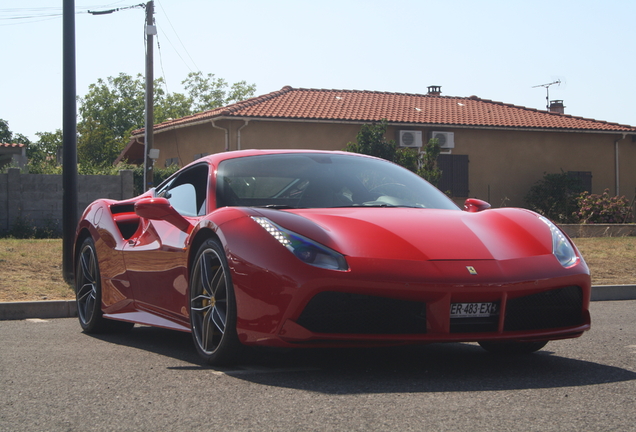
494, 49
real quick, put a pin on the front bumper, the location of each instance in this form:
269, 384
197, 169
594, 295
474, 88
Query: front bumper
384, 302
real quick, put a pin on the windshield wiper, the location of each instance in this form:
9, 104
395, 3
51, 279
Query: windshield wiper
277, 206
389, 205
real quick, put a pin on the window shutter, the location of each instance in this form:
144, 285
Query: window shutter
454, 174
585, 177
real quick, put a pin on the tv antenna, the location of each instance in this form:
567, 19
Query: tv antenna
547, 91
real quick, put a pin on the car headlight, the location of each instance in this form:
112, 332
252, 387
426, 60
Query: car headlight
303, 248
561, 246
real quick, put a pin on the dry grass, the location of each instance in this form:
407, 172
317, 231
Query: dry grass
612, 260
31, 270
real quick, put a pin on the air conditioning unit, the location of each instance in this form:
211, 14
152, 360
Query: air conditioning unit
446, 140
410, 138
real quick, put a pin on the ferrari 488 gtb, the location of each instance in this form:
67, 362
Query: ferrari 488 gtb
316, 249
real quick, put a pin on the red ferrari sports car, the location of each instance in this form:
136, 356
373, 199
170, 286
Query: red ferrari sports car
314, 249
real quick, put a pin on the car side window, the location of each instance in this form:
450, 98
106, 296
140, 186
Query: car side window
184, 199
187, 192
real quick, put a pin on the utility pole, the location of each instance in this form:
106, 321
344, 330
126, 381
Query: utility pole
69, 140
151, 30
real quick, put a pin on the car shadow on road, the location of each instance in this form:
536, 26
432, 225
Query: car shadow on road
457, 367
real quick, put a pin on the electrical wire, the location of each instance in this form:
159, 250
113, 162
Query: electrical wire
18, 16
163, 72
21, 16
180, 41
165, 83
109, 11
177, 52
165, 80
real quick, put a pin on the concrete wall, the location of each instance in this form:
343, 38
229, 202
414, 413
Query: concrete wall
37, 198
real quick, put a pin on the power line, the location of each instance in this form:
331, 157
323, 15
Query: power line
16, 16
178, 53
109, 11
163, 72
180, 41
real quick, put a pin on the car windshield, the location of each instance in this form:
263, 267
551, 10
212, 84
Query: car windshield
317, 180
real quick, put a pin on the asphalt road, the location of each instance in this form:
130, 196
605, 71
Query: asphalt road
55, 378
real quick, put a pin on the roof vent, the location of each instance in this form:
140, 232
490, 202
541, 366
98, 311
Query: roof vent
556, 106
434, 90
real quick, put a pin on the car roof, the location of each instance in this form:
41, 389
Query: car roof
216, 158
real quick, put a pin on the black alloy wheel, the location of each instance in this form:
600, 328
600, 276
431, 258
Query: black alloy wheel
212, 306
88, 293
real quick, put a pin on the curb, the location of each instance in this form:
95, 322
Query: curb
38, 309
68, 308
606, 293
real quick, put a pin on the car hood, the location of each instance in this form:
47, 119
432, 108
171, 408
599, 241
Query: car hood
421, 234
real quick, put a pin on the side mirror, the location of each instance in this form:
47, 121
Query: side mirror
473, 205
160, 209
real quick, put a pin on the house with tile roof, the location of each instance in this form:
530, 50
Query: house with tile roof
12, 153
492, 150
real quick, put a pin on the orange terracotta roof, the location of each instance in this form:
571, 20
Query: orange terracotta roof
8, 145
413, 109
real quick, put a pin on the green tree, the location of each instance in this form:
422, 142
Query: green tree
114, 107
429, 169
97, 144
108, 113
371, 140
240, 91
171, 106
6, 136
42, 155
5, 132
208, 92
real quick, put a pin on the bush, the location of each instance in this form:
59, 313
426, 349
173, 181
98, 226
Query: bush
594, 208
429, 170
555, 197
24, 228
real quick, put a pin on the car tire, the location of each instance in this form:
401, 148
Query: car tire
512, 348
213, 306
88, 293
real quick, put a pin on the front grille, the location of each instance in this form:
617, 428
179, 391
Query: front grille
549, 309
474, 325
340, 313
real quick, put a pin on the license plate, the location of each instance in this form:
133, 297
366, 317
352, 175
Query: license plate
473, 310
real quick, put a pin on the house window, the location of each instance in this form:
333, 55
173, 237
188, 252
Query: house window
200, 155
585, 177
454, 174
172, 161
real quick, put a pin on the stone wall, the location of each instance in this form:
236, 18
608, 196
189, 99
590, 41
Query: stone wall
37, 198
